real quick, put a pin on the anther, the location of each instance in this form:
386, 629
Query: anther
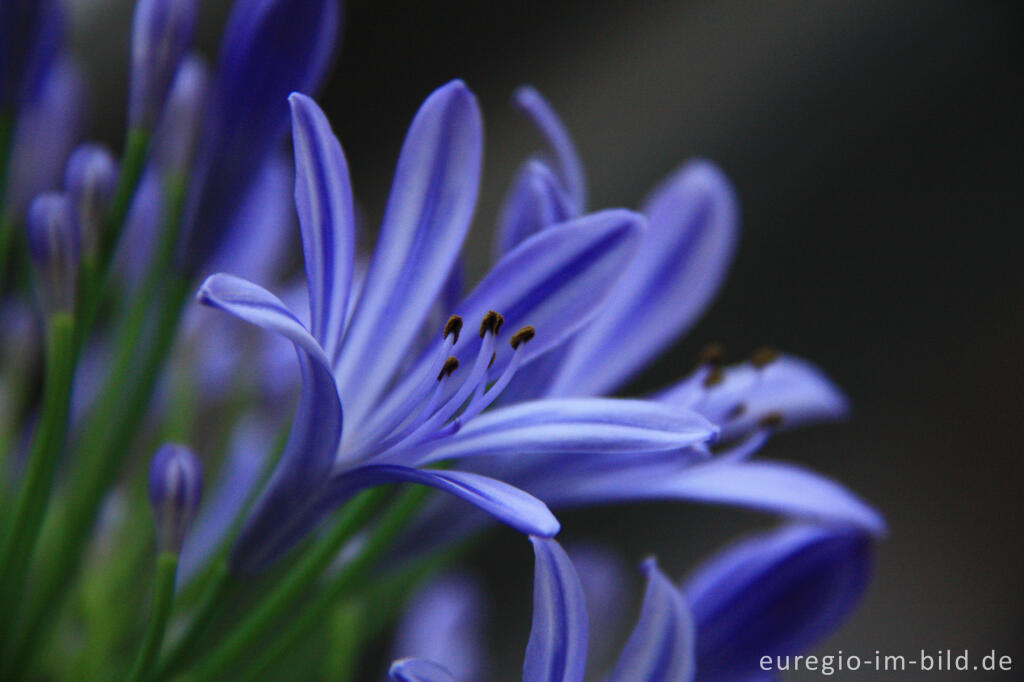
450, 365
763, 357
715, 377
772, 420
712, 354
491, 362
522, 336
736, 412
453, 326
491, 323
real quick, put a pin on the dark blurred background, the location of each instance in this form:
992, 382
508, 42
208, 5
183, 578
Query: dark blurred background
877, 150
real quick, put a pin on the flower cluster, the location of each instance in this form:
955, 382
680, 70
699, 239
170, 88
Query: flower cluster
503, 396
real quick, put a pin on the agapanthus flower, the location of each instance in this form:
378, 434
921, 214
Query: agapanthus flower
773, 594
400, 418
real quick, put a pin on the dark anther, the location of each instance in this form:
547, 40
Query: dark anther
452, 326
491, 323
736, 412
763, 357
522, 336
772, 420
714, 377
493, 356
450, 365
712, 354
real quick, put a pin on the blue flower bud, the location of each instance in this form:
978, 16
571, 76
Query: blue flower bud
178, 131
270, 49
161, 32
175, 487
90, 179
54, 246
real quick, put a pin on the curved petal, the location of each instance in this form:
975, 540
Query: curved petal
444, 622
247, 111
775, 594
693, 222
509, 505
576, 425
316, 430
555, 281
419, 670
768, 486
533, 104
557, 650
428, 214
535, 201
661, 648
323, 197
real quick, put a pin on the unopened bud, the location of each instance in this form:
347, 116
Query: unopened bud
90, 179
175, 487
161, 32
177, 135
55, 247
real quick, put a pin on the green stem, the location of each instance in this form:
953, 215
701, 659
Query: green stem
95, 266
310, 567
107, 441
33, 498
380, 540
160, 611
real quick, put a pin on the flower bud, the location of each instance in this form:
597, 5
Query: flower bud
175, 487
54, 246
161, 32
90, 179
178, 132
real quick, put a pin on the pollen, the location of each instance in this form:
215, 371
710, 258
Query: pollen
491, 323
450, 365
772, 420
715, 377
763, 357
453, 326
522, 336
712, 354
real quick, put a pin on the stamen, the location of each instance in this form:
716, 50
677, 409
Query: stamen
772, 420
712, 354
493, 356
714, 378
737, 411
491, 323
763, 357
745, 447
450, 365
453, 327
524, 335
480, 401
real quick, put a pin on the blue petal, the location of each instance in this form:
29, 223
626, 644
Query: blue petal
256, 246
607, 583
323, 197
316, 430
49, 126
576, 426
141, 228
544, 117
775, 594
768, 486
270, 49
444, 623
535, 202
693, 222
509, 505
429, 211
661, 648
161, 32
557, 650
177, 132
419, 670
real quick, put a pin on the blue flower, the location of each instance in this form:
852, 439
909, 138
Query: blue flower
692, 231
409, 403
775, 594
